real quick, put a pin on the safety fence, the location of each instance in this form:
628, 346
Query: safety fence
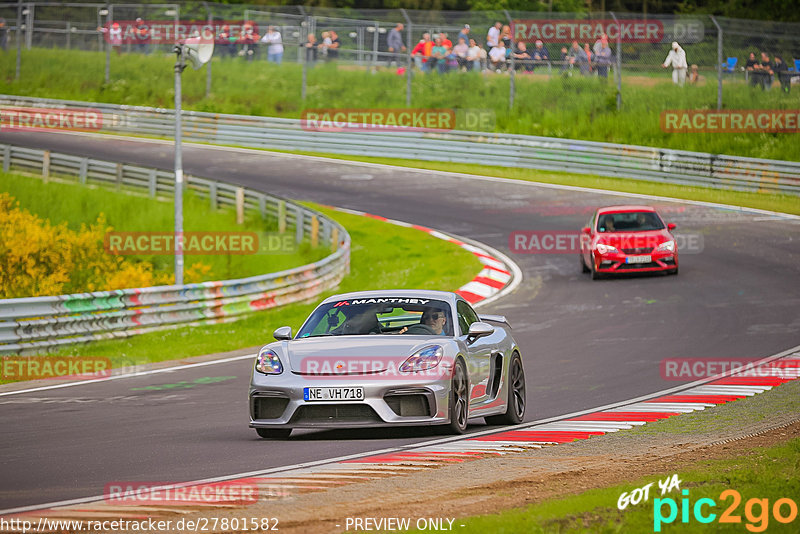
637, 44
38, 323
504, 150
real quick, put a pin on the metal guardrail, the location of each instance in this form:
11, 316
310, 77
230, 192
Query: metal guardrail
32, 324
504, 150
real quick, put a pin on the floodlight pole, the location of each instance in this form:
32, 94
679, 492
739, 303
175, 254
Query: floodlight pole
179, 66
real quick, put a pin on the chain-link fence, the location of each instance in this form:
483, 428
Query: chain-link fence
625, 53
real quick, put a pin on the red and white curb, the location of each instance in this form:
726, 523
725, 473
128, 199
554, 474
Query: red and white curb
293, 481
498, 277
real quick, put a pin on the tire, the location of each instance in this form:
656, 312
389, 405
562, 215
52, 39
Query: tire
595, 274
516, 402
584, 268
274, 433
459, 399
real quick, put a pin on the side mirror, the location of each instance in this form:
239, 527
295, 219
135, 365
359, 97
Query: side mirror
671, 226
283, 333
586, 230
478, 330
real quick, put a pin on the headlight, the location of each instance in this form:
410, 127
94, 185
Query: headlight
605, 249
426, 358
668, 246
268, 363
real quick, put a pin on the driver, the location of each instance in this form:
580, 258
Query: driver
435, 319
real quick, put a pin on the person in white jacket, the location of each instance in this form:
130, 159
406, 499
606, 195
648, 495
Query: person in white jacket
677, 58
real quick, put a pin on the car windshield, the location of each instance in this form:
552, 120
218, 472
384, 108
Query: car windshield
388, 315
629, 221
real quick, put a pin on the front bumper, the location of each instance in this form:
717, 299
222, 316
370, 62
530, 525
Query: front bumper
278, 401
616, 262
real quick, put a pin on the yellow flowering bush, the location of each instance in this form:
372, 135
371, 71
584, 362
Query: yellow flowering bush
40, 258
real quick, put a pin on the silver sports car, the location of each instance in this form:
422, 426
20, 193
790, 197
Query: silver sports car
385, 358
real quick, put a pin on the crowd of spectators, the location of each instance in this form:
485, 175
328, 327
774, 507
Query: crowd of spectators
763, 72
437, 53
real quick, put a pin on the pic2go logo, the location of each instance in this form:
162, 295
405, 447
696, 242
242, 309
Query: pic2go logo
756, 511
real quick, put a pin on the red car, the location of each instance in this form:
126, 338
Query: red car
628, 239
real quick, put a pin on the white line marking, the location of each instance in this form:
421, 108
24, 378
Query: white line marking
172, 369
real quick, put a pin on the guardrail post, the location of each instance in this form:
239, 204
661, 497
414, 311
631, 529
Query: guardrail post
46, 165
314, 231
239, 205
152, 183
212, 195
262, 206
119, 175
83, 171
298, 223
6, 158
281, 216
334, 239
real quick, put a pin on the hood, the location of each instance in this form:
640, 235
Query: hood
351, 355
635, 240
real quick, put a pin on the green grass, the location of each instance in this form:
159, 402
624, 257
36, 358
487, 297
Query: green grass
76, 205
771, 473
383, 256
765, 201
560, 107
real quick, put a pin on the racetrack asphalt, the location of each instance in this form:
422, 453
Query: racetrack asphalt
585, 343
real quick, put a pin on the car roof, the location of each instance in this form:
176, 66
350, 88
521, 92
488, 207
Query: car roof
625, 208
447, 296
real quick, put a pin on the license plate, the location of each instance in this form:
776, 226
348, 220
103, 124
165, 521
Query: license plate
638, 259
333, 394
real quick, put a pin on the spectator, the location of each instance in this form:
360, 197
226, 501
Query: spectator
447, 43
598, 44
249, 39
114, 36
750, 69
474, 56
564, 60
694, 75
422, 52
604, 57
3, 34
505, 36
227, 42
275, 48
493, 37
577, 57
589, 58
438, 59
522, 58
464, 34
311, 47
333, 48
765, 71
322, 48
497, 56
540, 54
142, 33
782, 73
460, 52
677, 59
395, 43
